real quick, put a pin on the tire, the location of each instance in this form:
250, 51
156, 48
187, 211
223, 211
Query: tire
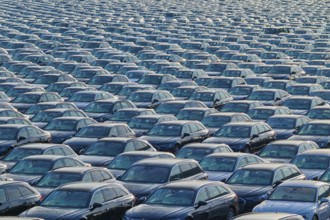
230, 214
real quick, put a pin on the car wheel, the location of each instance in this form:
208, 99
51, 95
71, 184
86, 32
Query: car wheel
230, 214
315, 217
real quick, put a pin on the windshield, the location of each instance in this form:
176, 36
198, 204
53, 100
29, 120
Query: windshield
53, 180
181, 92
220, 83
45, 116
142, 174
93, 132
325, 176
235, 107
240, 91
298, 90
27, 98
280, 69
105, 148
275, 85
169, 108
124, 115
32, 167
261, 95
293, 194
193, 153
251, 177
61, 125
8, 133
37, 108
202, 96
218, 164
67, 199
282, 123
142, 123
215, 121
236, 131
261, 114
79, 97
165, 130
319, 114
153, 80
315, 130
190, 115
299, 104
19, 153
123, 162
172, 197
279, 151
311, 162
97, 107
140, 97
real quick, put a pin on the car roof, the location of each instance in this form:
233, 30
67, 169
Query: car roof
76, 169
44, 157
265, 215
290, 142
304, 183
204, 145
41, 146
192, 184
165, 162
84, 186
177, 122
145, 153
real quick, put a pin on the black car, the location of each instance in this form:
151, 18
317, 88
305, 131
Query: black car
84, 201
16, 197
253, 183
20, 152
185, 200
123, 161
171, 135
91, 133
31, 168
55, 178
15, 135
102, 152
243, 136
137, 179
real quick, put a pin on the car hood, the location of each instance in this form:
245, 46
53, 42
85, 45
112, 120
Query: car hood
310, 174
250, 191
50, 213
159, 140
284, 206
95, 160
218, 176
22, 177
139, 188
145, 211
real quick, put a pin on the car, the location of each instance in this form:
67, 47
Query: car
20, 152
103, 151
84, 201
91, 133
14, 135
187, 200
241, 92
243, 136
262, 113
31, 168
283, 151
55, 178
211, 97
142, 123
252, 183
219, 166
172, 135
83, 98
242, 106
315, 130
312, 163
102, 110
163, 170
269, 216
309, 199
215, 121
300, 105
173, 107
149, 98
286, 125
198, 151
16, 197
123, 161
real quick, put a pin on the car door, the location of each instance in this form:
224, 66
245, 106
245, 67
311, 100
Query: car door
218, 204
255, 139
23, 136
323, 208
97, 213
201, 212
185, 134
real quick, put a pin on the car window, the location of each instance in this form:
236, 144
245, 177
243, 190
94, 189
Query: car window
67, 151
140, 145
32, 131
242, 162
287, 173
186, 170
186, 129
120, 192
23, 133
254, 131
96, 176
324, 192
213, 192
58, 164
109, 194
121, 130
3, 197
105, 175
98, 197
175, 173
57, 151
87, 177
251, 159
69, 162
278, 176
13, 193
202, 195
193, 127
25, 191
114, 132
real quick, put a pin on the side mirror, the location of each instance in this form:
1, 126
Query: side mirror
277, 183
254, 136
96, 205
277, 99
21, 139
224, 180
324, 200
293, 73
142, 199
185, 135
155, 100
217, 100
315, 178
118, 177
199, 204
144, 133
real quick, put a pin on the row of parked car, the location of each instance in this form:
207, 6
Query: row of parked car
164, 110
